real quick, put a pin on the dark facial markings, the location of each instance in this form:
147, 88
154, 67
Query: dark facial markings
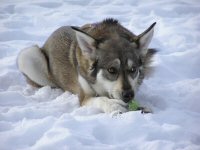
133, 72
94, 69
112, 70
114, 54
111, 73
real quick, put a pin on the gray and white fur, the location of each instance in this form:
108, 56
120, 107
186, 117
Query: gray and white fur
104, 63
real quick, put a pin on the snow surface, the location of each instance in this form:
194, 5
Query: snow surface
46, 118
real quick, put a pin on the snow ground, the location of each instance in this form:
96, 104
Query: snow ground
46, 118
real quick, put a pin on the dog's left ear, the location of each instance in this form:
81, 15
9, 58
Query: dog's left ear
86, 43
144, 39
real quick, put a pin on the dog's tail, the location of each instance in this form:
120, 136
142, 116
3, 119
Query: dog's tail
33, 64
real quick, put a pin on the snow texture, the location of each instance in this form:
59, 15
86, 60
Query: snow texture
46, 118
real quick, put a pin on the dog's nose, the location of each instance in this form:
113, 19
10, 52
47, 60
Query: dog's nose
127, 95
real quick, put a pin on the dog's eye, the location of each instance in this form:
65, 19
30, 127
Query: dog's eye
112, 70
133, 70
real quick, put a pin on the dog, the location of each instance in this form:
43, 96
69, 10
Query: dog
103, 63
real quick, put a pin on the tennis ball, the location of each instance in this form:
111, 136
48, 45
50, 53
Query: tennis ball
133, 106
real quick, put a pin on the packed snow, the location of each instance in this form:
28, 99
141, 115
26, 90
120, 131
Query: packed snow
46, 118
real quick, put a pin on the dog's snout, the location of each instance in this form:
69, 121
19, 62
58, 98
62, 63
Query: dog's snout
127, 95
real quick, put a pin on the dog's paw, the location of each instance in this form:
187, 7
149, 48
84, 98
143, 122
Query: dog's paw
113, 107
108, 105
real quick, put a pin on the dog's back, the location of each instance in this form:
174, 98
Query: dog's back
60, 52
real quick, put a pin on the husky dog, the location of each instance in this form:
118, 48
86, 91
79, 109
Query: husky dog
104, 63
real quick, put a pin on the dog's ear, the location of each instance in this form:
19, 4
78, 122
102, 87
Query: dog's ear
86, 43
144, 39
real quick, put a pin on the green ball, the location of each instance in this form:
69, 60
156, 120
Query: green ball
133, 105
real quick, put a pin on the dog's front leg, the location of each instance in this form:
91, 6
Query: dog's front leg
106, 105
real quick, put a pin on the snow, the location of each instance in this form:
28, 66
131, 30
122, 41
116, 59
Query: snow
47, 118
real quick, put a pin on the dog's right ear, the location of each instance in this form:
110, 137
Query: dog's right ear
86, 43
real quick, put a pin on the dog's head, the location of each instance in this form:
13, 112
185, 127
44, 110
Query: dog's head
117, 59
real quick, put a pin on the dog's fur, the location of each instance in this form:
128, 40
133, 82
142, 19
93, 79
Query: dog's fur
103, 63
